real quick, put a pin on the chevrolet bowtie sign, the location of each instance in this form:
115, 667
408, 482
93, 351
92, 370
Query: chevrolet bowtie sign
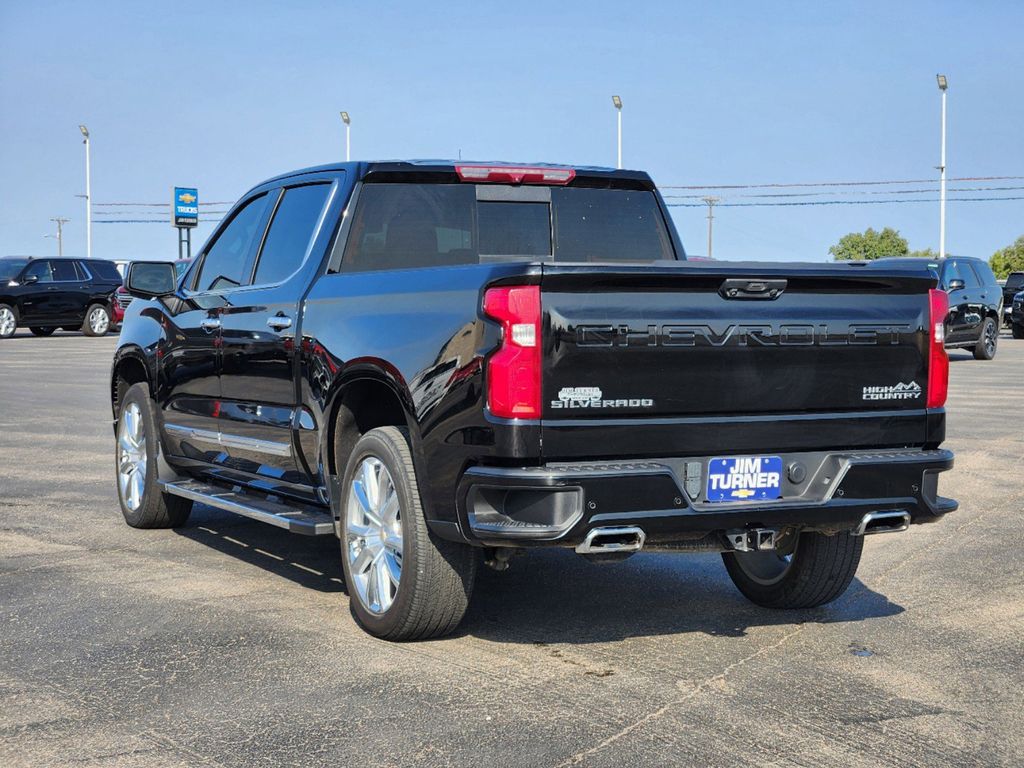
185, 207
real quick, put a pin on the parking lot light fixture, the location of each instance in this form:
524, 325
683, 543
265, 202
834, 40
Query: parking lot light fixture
617, 102
88, 195
943, 85
348, 130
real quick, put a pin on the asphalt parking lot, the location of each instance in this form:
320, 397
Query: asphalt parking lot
229, 642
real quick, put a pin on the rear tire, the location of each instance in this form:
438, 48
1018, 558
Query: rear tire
136, 452
819, 570
97, 320
985, 349
1018, 330
404, 583
42, 330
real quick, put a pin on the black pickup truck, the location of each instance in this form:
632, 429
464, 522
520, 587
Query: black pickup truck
444, 363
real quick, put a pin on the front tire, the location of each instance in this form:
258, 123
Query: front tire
404, 583
8, 321
97, 320
1018, 330
142, 502
985, 349
817, 571
42, 330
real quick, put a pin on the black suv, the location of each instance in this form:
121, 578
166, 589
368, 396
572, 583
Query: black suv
46, 294
1014, 284
975, 302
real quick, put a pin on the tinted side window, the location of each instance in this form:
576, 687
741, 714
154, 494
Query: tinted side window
41, 270
105, 270
226, 260
403, 226
290, 232
967, 274
949, 274
64, 271
985, 273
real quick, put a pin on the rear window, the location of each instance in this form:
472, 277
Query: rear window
404, 226
105, 270
1015, 280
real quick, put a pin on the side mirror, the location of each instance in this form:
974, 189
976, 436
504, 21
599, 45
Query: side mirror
955, 285
29, 279
150, 279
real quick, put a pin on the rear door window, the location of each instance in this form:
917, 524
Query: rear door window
290, 232
227, 261
64, 272
967, 274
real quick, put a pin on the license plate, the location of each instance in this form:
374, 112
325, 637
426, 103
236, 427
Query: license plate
748, 478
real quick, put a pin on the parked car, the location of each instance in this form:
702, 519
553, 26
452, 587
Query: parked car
46, 294
1017, 315
975, 302
122, 298
436, 360
1014, 283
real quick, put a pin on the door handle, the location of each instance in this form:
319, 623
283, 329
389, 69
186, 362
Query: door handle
52, 288
210, 324
279, 322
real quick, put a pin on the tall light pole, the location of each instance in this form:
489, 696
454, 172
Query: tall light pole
943, 85
618, 111
60, 222
711, 202
348, 131
88, 195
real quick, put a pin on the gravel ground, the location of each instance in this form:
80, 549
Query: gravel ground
230, 643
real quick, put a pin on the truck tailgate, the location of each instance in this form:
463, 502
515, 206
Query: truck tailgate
697, 358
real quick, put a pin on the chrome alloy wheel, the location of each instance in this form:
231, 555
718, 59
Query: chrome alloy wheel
991, 338
7, 322
373, 536
99, 320
131, 457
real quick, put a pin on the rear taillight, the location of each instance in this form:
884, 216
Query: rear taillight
507, 174
938, 360
513, 372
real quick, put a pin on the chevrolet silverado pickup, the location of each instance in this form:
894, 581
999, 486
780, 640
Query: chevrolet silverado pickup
446, 363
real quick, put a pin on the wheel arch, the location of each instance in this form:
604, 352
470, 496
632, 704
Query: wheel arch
361, 403
129, 368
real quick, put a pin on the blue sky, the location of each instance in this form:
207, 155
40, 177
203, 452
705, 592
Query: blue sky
224, 95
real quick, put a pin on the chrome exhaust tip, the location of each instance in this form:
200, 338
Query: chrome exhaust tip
892, 521
612, 540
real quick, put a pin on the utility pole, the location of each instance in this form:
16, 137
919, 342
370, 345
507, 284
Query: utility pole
711, 203
617, 103
88, 195
943, 84
60, 221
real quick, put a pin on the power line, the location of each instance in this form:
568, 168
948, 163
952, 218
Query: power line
161, 205
846, 202
854, 192
837, 183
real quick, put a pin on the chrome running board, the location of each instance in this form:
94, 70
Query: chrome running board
289, 515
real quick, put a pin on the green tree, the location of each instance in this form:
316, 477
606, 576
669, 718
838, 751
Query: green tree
927, 253
867, 245
1009, 259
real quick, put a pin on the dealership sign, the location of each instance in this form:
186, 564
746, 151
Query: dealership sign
185, 207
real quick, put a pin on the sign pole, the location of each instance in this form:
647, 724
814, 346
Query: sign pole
188, 243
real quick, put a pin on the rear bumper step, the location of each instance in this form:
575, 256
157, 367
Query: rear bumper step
284, 514
860, 492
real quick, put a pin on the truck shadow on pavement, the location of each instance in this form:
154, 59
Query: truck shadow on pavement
313, 562
552, 596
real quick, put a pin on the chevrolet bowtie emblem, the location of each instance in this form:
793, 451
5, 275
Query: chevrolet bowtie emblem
187, 198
